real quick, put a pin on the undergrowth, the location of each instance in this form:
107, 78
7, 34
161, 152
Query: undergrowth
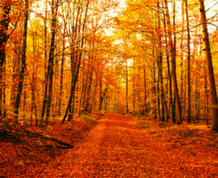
23, 147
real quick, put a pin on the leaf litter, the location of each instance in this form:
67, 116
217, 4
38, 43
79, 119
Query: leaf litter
118, 147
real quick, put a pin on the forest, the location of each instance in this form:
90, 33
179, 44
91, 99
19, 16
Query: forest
74, 69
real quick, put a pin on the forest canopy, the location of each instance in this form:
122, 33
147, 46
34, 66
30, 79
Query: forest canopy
59, 59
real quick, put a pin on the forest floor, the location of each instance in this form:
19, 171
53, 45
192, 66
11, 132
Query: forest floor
116, 147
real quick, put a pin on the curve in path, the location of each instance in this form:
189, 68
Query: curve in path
110, 150
107, 152
116, 148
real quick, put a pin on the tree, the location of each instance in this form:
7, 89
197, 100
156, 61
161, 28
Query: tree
23, 60
160, 64
173, 64
127, 86
4, 23
210, 73
74, 80
188, 57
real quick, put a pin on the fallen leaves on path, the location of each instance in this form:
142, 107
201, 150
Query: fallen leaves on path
119, 147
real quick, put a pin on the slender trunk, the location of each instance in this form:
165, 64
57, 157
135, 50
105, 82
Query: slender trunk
33, 86
188, 58
23, 61
78, 66
133, 87
158, 99
93, 97
33, 79
205, 96
210, 72
24, 103
82, 93
145, 90
87, 105
83, 87
207, 102
103, 97
160, 65
72, 89
154, 91
126, 88
75, 54
182, 57
106, 99
179, 121
45, 65
71, 109
4, 92
92, 63
169, 75
100, 94
62, 74
196, 98
73, 78
54, 10
185, 89
137, 92
4, 23
173, 65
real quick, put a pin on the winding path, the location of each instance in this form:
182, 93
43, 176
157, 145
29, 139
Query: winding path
116, 148
111, 149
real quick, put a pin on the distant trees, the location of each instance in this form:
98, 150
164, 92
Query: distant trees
64, 63
56, 70
161, 30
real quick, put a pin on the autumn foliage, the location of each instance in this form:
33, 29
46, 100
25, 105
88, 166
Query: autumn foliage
64, 64
117, 146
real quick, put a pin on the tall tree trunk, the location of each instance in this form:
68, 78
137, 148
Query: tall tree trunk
82, 86
145, 89
127, 109
76, 30
169, 74
160, 64
185, 86
106, 98
133, 87
158, 89
188, 58
33, 85
137, 92
54, 11
196, 98
100, 94
4, 23
73, 78
173, 64
182, 57
154, 90
91, 109
102, 98
62, 73
210, 72
206, 95
175, 50
45, 65
78, 65
23, 61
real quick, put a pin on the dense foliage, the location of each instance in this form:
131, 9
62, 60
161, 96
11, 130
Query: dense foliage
63, 64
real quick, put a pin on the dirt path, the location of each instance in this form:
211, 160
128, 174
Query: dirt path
116, 148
